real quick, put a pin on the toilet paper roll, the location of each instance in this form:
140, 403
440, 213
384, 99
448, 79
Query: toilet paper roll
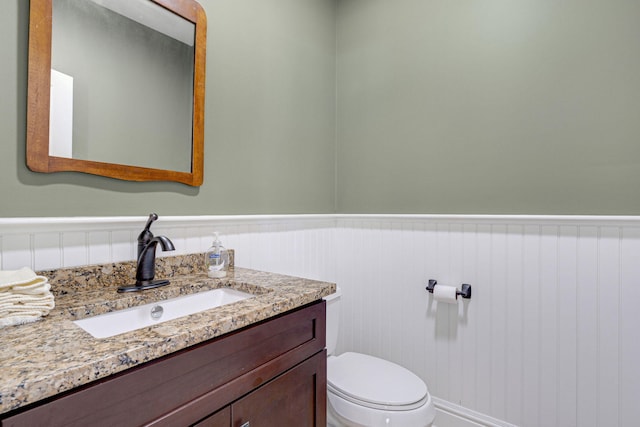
445, 294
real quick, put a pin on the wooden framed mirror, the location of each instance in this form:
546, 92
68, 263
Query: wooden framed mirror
116, 88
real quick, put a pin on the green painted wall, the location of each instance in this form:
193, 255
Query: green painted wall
269, 120
491, 106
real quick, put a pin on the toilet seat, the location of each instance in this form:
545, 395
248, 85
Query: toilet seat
375, 383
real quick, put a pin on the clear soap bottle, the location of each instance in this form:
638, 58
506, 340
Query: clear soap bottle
217, 259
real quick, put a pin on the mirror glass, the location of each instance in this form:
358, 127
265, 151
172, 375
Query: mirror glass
133, 79
126, 88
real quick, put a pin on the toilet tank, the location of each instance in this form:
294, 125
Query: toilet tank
333, 320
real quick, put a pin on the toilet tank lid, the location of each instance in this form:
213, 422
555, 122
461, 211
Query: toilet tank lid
373, 380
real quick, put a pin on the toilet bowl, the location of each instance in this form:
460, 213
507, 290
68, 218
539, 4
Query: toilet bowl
366, 391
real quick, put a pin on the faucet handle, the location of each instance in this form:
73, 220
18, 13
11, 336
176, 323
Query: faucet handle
152, 218
146, 235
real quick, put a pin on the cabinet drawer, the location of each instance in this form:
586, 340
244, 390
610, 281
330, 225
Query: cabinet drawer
186, 386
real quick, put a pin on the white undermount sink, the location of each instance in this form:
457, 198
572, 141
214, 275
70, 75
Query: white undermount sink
130, 319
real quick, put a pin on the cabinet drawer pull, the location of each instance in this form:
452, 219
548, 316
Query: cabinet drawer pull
247, 424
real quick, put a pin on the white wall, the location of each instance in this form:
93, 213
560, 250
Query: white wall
548, 338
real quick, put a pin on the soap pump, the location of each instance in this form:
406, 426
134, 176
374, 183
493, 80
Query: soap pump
217, 259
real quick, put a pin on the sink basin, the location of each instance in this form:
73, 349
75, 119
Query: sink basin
130, 319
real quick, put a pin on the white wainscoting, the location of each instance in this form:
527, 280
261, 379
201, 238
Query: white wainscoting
297, 244
549, 338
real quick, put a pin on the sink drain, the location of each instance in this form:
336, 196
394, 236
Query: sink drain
156, 312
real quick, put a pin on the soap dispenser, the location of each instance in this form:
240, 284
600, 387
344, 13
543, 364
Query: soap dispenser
217, 259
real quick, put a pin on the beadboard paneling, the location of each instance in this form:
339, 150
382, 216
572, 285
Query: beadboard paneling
549, 337
298, 245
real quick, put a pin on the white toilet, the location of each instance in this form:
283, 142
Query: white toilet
365, 391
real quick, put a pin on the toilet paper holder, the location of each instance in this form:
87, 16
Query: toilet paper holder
464, 291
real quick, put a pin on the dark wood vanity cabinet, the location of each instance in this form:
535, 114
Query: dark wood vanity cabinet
288, 400
269, 374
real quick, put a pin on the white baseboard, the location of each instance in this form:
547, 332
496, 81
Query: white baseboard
451, 415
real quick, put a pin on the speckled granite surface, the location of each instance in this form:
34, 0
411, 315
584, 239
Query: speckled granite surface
41, 359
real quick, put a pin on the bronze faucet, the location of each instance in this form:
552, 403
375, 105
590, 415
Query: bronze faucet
146, 268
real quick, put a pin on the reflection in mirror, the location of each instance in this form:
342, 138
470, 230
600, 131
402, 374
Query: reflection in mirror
116, 66
126, 88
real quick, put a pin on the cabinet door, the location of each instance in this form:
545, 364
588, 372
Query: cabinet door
296, 398
222, 418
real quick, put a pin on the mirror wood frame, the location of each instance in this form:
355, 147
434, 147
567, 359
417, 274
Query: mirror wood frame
38, 102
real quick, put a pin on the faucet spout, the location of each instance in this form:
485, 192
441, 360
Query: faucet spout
165, 243
146, 268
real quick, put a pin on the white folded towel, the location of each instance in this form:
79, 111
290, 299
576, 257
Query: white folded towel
8, 311
23, 276
20, 318
9, 299
33, 288
24, 297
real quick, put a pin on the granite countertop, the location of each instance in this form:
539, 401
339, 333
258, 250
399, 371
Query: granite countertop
53, 355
